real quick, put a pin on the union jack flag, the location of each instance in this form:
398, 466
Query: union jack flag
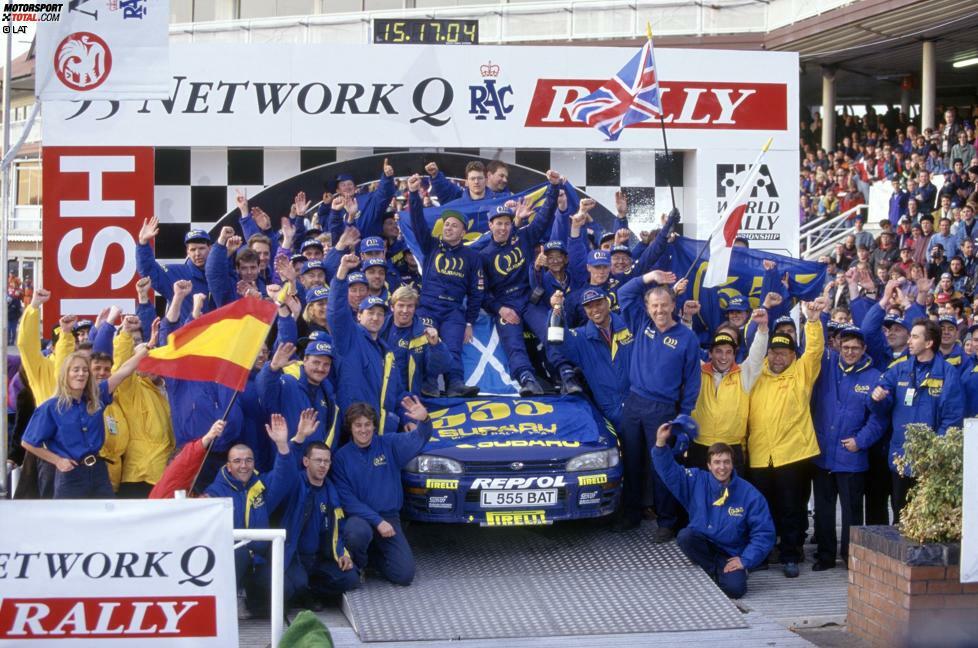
630, 97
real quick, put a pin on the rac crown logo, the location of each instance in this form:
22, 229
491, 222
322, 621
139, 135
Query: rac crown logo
82, 61
487, 97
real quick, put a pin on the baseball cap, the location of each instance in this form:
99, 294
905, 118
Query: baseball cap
356, 277
621, 249
834, 327
372, 244
723, 338
598, 258
340, 177
502, 210
372, 301
373, 263
784, 319
320, 348
948, 319
738, 303
297, 257
318, 293
607, 236
942, 298
781, 342
308, 243
592, 294
312, 265
80, 324
684, 430
457, 215
890, 320
850, 331
946, 275
197, 236
555, 245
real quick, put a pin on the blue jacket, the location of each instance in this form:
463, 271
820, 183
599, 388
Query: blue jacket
222, 277
448, 192
674, 354
286, 395
71, 432
255, 500
507, 265
369, 479
841, 409
938, 400
253, 422
574, 309
969, 386
734, 517
162, 278
414, 358
372, 206
370, 373
606, 366
195, 405
453, 277
319, 534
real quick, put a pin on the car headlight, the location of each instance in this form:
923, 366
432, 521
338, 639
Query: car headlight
594, 460
434, 464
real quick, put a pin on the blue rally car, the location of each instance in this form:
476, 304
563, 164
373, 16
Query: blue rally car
510, 461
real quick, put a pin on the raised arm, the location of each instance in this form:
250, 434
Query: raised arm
419, 225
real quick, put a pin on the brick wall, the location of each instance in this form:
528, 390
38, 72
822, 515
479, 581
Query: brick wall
892, 603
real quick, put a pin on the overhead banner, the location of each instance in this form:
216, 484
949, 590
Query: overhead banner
129, 573
103, 49
283, 94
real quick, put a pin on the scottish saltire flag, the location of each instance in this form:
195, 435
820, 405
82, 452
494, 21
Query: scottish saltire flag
630, 97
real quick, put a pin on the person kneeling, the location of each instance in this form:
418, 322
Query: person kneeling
730, 528
367, 475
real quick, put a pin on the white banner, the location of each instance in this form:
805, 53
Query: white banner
281, 95
148, 573
969, 506
104, 49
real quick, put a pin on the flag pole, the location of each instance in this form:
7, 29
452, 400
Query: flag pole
662, 124
207, 450
706, 244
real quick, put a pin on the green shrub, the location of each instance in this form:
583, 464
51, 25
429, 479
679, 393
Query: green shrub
933, 511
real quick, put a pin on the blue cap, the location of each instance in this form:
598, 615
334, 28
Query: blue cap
850, 331
316, 294
197, 236
621, 249
948, 319
356, 277
502, 210
315, 264
606, 236
555, 245
784, 319
834, 327
319, 349
370, 302
340, 177
685, 429
80, 324
593, 294
738, 303
308, 243
319, 336
890, 320
598, 258
372, 244
297, 257
312, 232
373, 263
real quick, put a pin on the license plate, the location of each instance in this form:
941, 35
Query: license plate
503, 499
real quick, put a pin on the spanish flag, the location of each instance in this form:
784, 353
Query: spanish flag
219, 347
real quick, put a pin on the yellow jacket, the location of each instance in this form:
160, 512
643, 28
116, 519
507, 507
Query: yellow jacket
722, 411
41, 371
780, 429
116, 440
147, 411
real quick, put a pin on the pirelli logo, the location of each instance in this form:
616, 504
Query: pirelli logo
442, 484
592, 480
515, 518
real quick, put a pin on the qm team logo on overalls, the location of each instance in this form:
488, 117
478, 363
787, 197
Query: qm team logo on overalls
763, 205
487, 99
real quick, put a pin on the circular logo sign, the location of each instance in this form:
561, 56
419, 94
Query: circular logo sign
82, 61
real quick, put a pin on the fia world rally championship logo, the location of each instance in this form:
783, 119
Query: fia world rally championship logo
763, 204
82, 61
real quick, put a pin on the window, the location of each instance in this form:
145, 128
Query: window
28, 183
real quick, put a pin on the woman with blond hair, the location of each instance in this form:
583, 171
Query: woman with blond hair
68, 429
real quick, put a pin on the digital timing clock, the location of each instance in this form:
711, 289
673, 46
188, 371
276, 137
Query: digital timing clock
426, 32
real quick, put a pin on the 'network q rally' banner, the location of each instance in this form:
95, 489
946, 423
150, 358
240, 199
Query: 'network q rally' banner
141, 573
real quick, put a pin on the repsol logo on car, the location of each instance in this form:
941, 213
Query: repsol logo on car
507, 483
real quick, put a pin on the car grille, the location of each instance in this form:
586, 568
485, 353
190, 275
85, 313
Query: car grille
502, 468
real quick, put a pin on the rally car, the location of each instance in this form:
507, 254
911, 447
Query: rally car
509, 461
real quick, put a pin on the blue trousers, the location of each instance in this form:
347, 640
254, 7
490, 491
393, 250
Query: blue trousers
318, 576
535, 318
710, 557
254, 575
83, 482
391, 556
639, 421
449, 319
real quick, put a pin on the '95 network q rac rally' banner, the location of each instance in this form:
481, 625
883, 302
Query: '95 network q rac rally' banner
142, 573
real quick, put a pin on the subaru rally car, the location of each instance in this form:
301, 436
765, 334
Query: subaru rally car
510, 461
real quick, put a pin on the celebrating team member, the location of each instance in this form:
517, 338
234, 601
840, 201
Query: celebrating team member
475, 190
198, 246
730, 530
419, 354
367, 475
452, 290
365, 211
656, 396
68, 430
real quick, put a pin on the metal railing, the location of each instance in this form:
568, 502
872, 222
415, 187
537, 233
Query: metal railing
277, 538
819, 237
